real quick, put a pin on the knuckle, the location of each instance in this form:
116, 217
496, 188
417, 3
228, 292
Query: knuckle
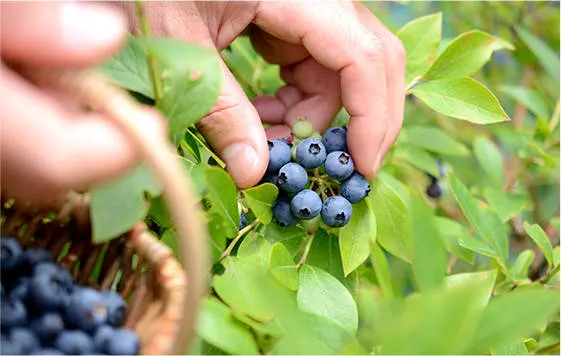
397, 51
371, 47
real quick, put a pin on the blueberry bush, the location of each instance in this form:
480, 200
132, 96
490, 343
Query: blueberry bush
452, 249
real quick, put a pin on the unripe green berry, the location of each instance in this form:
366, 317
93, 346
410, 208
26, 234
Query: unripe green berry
303, 129
316, 135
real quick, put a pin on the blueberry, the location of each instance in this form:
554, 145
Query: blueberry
339, 165
434, 190
123, 342
34, 256
2, 293
279, 154
56, 271
47, 326
11, 254
20, 288
74, 342
12, 313
335, 139
243, 220
306, 205
48, 292
336, 211
85, 309
25, 339
47, 351
101, 338
310, 153
116, 307
8, 347
282, 213
270, 177
355, 188
292, 177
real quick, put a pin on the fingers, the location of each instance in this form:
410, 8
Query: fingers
395, 74
45, 151
59, 33
232, 127
336, 40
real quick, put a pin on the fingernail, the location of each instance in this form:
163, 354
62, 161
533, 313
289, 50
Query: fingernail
89, 24
241, 162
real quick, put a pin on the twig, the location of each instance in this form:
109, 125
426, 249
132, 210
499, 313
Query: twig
145, 32
548, 349
237, 238
549, 275
306, 251
210, 152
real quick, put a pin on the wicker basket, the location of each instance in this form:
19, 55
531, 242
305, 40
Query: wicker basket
163, 295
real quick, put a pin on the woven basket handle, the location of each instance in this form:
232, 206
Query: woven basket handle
97, 92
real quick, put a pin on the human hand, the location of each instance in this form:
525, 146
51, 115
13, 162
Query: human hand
47, 146
330, 53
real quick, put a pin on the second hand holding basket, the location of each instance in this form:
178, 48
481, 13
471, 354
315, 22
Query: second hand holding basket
93, 90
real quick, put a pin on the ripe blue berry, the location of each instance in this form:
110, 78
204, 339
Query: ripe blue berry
47, 326
25, 339
339, 165
12, 313
8, 347
47, 351
270, 177
55, 271
74, 342
292, 177
335, 139
116, 307
279, 154
123, 342
282, 213
355, 188
243, 220
48, 292
101, 337
310, 153
434, 190
34, 256
336, 211
20, 288
306, 205
11, 254
85, 309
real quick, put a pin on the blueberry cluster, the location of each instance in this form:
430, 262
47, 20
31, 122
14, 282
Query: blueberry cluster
316, 177
43, 312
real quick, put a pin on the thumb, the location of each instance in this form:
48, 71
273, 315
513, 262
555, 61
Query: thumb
234, 130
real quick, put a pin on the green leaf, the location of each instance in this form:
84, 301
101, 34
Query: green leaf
217, 327
291, 237
322, 294
283, 266
465, 55
254, 246
382, 271
116, 206
490, 159
486, 222
417, 157
261, 199
545, 55
420, 38
484, 279
239, 286
505, 204
462, 98
516, 348
191, 145
522, 264
129, 69
432, 139
513, 316
392, 220
450, 233
429, 257
169, 238
531, 99
475, 245
223, 196
324, 253
192, 81
355, 238
541, 240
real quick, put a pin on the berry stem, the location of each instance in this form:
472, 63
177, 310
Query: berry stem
238, 237
210, 152
146, 33
306, 251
